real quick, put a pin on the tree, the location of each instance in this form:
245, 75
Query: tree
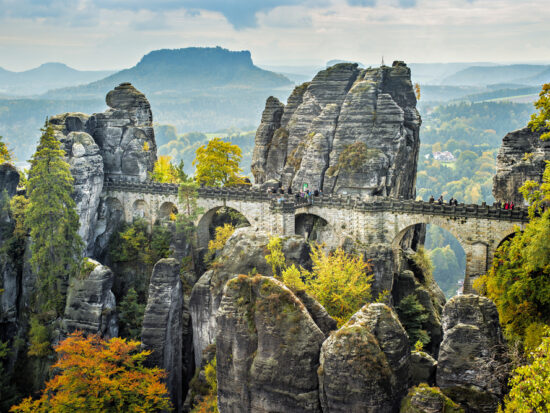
217, 164
209, 402
413, 315
95, 375
165, 172
53, 222
131, 315
417, 91
5, 154
188, 195
222, 235
519, 279
541, 120
530, 384
338, 281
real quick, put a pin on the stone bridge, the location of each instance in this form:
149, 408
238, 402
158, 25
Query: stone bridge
479, 228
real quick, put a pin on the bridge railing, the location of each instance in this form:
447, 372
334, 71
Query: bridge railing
288, 201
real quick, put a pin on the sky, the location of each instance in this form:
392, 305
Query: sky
115, 34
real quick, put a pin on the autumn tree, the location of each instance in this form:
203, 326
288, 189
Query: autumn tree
53, 222
340, 282
222, 235
217, 164
5, 154
518, 281
417, 91
95, 375
165, 172
541, 120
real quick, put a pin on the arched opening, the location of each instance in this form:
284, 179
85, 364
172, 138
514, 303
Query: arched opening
168, 211
140, 209
447, 255
311, 227
506, 238
217, 217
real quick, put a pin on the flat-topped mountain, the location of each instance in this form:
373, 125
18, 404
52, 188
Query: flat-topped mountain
173, 72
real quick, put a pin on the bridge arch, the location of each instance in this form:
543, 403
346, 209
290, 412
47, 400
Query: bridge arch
167, 209
205, 222
140, 209
312, 226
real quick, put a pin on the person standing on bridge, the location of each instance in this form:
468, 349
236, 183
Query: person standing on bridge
432, 199
440, 200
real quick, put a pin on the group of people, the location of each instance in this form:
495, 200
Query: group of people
506, 205
440, 200
302, 196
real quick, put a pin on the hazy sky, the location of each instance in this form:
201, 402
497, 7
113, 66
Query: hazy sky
115, 34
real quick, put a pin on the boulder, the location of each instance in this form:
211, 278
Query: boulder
243, 253
364, 366
90, 305
423, 368
163, 325
9, 179
373, 109
471, 367
267, 349
425, 399
521, 157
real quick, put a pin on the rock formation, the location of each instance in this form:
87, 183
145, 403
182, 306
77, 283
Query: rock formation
117, 143
424, 399
163, 325
91, 305
243, 253
423, 368
521, 157
9, 179
365, 364
267, 349
471, 369
347, 131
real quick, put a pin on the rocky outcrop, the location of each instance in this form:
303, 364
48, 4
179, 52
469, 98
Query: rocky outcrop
9, 179
163, 325
521, 157
321, 317
243, 253
364, 366
91, 305
347, 131
423, 368
471, 369
267, 349
424, 399
125, 133
86, 166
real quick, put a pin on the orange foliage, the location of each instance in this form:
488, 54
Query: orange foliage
100, 376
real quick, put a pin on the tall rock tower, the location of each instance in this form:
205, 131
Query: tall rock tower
348, 131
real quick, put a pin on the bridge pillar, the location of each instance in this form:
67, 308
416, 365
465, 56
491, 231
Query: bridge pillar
284, 219
477, 264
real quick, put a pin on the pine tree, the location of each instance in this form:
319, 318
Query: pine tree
53, 223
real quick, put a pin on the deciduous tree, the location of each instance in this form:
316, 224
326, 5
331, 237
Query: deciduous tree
217, 164
95, 375
541, 120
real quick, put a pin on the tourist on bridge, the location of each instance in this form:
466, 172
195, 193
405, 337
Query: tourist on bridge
452, 201
440, 200
432, 199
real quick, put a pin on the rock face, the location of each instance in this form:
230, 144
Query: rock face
91, 304
423, 368
267, 349
347, 131
424, 399
471, 369
243, 253
163, 325
365, 364
514, 167
117, 143
125, 133
9, 179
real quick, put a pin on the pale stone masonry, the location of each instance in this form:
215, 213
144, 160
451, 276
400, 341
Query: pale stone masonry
479, 228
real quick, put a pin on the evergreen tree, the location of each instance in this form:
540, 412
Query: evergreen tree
53, 222
131, 316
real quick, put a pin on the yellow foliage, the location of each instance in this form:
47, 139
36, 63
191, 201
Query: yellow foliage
222, 235
95, 375
146, 147
165, 172
209, 403
417, 91
292, 277
217, 164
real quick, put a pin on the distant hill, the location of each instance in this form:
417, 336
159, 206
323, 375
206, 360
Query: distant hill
480, 76
196, 70
45, 77
538, 79
194, 89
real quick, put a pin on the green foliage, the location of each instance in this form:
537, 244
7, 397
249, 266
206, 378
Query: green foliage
5, 154
338, 281
354, 156
209, 400
86, 268
541, 120
519, 279
413, 315
53, 222
188, 195
446, 270
131, 316
39, 338
422, 260
530, 384
425, 393
217, 164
